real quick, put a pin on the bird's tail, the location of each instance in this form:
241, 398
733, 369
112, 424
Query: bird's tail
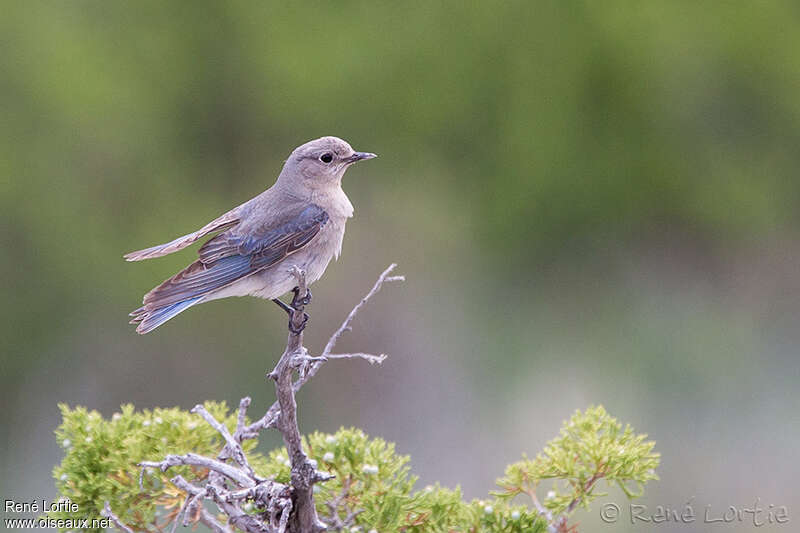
150, 319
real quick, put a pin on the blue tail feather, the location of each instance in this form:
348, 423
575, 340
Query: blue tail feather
150, 320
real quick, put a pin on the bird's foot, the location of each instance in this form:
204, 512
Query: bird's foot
297, 301
297, 330
292, 309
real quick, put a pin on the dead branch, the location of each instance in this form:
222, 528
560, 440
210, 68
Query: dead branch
108, 513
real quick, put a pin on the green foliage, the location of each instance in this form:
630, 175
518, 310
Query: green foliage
592, 446
372, 488
101, 458
373, 479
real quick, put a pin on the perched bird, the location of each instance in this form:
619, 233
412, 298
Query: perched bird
299, 221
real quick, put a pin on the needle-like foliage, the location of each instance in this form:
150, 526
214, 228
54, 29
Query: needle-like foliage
372, 489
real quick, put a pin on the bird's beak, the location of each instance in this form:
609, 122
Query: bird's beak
360, 156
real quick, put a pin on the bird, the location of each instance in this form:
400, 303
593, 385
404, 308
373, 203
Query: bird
298, 222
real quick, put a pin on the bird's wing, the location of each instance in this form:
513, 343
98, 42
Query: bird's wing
231, 256
226, 221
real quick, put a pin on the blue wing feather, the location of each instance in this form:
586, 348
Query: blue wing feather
225, 259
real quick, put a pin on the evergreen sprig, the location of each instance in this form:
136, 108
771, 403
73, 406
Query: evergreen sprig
372, 490
592, 446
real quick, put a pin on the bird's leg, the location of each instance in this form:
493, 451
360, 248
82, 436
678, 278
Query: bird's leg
289, 310
297, 301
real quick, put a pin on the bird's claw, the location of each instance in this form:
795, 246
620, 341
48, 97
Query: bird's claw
297, 301
297, 304
297, 330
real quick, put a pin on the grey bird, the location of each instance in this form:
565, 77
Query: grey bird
299, 221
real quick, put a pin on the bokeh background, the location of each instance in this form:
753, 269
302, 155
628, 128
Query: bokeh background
593, 202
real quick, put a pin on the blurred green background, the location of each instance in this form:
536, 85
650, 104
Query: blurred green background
593, 202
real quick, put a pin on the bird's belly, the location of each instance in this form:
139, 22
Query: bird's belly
278, 280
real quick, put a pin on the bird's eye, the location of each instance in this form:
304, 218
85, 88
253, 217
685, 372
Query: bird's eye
327, 157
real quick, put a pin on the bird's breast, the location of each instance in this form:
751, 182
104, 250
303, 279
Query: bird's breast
277, 279
331, 236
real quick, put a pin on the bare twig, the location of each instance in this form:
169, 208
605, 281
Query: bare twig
558, 524
272, 496
346, 325
372, 359
192, 459
539, 507
193, 495
270, 417
233, 447
368, 357
339, 502
209, 520
244, 403
108, 513
551, 525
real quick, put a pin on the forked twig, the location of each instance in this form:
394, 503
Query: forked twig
285, 508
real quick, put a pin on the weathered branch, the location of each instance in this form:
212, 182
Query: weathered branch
194, 494
368, 357
347, 324
108, 513
303, 473
192, 459
270, 417
233, 446
209, 520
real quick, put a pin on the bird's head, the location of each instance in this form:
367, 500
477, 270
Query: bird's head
321, 163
